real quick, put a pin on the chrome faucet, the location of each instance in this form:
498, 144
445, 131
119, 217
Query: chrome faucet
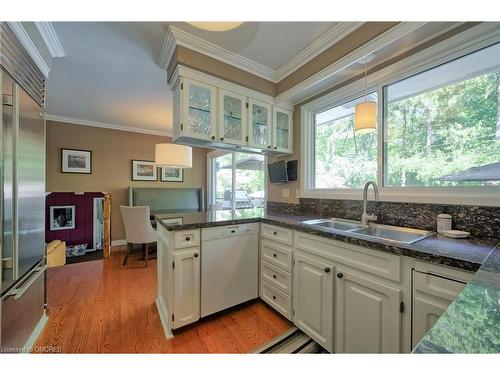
365, 218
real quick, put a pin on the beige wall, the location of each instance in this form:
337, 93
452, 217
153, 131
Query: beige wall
112, 152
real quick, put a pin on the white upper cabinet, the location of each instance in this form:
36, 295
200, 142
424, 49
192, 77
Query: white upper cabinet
260, 133
232, 122
282, 130
211, 112
198, 110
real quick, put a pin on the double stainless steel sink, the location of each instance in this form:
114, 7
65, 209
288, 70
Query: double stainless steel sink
398, 235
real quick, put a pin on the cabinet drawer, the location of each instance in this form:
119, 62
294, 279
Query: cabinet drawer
229, 231
186, 238
437, 286
278, 234
276, 254
276, 299
276, 277
373, 261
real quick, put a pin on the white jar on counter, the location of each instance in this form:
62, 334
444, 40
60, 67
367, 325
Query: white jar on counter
443, 222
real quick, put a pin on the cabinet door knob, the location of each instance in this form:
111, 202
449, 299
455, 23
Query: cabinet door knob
188, 238
275, 233
213, 137
221, 138
233, 231
327, 269
274, 276
274, 297
340, 275
268, 146
275, 147
196, 255
274, 255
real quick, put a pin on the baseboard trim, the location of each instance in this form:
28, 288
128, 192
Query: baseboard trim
118, 243
28, 347
162, 311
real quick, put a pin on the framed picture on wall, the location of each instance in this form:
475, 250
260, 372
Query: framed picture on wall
62, 217
76, 161
144, 170
172, 174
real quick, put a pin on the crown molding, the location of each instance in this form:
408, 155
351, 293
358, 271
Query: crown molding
176, 37
25, 40
328, 39
106, 125
325, 78
50, 38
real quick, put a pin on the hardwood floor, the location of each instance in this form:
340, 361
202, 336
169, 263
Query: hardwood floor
104, 307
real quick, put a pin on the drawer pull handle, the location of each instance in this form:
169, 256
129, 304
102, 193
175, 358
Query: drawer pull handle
188, 238
327, 270
212, 137
274, 297
233, 231
274, 276
275, 233
196, 255
274, 255
340, 275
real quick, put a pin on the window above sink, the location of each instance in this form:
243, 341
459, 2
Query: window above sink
438, 129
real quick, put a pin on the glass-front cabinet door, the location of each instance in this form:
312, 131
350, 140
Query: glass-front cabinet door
198, 109
232, 118
259, 134
282, 130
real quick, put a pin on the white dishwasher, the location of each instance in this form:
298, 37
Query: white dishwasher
229, 266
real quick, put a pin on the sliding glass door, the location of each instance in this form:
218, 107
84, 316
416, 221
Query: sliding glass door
236, 180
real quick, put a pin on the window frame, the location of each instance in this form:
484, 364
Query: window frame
441, 53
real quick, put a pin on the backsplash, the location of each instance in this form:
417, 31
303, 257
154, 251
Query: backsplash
480, 221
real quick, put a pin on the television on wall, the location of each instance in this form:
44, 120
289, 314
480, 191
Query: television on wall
282, 172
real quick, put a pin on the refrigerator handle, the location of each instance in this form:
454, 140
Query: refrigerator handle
34, 275
15, 128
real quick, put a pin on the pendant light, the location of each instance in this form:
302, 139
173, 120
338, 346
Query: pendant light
171, 155
365, 113
215, 26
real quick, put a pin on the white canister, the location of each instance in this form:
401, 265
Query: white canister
443, 222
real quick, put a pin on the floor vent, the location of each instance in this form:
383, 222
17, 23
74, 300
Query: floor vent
293, 341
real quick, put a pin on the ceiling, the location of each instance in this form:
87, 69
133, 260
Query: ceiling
271, 44
109, 73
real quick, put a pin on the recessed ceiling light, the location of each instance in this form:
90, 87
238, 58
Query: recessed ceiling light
215, 26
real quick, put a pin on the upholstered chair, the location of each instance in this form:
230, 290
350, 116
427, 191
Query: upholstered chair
138, 229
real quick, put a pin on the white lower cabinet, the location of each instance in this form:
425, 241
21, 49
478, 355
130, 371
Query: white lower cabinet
368, 317
432, 295
313, 298
186, 287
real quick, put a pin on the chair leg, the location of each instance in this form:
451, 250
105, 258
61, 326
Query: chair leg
146, 251
129, 249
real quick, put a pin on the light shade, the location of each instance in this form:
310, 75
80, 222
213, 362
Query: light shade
215, 26
365, 117
173, 156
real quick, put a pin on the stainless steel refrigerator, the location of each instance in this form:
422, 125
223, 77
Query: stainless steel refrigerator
22, 196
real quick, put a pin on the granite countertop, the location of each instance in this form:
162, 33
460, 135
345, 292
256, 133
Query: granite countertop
466, 254
471, 324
